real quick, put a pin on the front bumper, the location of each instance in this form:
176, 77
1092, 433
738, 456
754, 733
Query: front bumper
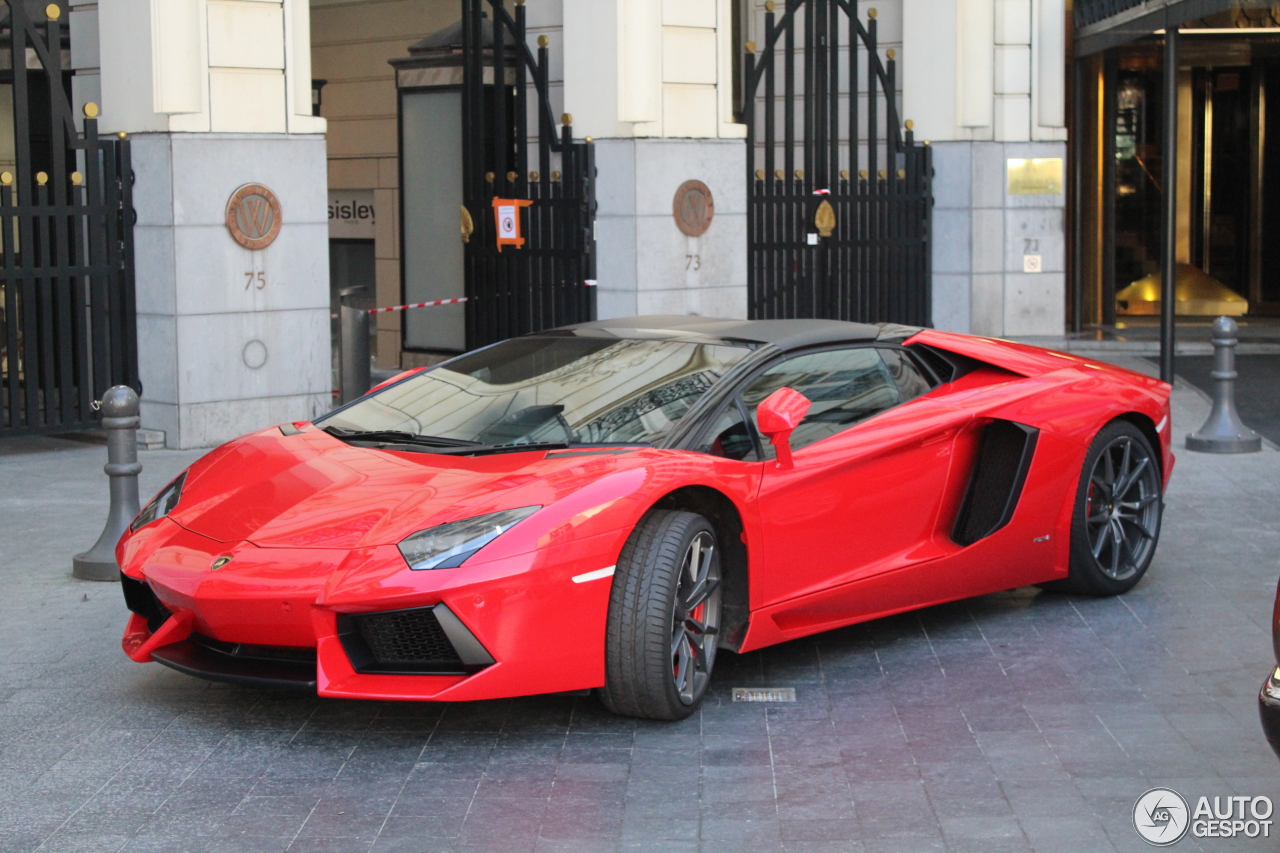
303, 618
1269, 709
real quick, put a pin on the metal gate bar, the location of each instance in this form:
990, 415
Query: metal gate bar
67, 313
542, 284
875, 263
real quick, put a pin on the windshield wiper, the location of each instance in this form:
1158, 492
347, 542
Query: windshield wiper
395, 436
548, 445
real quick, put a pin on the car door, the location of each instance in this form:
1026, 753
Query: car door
871, 468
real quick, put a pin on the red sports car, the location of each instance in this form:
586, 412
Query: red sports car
605, 506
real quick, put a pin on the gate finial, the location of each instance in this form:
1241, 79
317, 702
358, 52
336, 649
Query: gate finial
825, 219
467, 225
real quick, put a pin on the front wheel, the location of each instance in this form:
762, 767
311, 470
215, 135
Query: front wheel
664, 615
1116, 523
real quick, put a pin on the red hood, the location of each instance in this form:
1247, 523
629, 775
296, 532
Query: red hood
312, 490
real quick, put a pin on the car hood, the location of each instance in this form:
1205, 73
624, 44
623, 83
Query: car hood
312, 490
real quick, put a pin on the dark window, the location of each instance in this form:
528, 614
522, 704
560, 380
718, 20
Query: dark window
908, 377
730, 437
845, 386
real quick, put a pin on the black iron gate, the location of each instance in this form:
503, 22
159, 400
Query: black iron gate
549, 280
67, 323
847, 243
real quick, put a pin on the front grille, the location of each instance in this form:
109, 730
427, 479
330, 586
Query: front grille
408, 636
139, 598
412, 641
249, 651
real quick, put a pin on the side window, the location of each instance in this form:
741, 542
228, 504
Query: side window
730, 437
906, 375
845, 386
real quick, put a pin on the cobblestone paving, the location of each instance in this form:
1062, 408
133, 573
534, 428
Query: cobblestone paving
1012, 722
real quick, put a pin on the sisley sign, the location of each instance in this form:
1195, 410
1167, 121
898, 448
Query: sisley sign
351, 215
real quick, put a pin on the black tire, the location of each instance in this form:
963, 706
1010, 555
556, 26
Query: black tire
1114, 536
661, 622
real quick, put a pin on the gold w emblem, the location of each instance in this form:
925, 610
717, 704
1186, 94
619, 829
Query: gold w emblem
255, 217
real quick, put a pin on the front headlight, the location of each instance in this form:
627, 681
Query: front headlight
162, 504
449, 545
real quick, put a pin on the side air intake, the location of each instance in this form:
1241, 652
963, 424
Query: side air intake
1004, 457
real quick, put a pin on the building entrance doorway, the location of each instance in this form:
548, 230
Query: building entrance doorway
1228, 177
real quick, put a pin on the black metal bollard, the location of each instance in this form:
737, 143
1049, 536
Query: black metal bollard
355, 373
1223, 432
120, 420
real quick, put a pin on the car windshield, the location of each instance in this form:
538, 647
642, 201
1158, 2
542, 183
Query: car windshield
546, 389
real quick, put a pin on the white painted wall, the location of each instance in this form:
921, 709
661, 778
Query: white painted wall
1007, 58
230, 66
650, 68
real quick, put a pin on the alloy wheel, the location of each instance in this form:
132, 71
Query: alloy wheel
1122, 508
696, 618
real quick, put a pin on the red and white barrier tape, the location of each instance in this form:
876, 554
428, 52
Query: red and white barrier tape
591, 282
419, 305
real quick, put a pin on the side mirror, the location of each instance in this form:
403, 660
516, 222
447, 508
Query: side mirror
779, 414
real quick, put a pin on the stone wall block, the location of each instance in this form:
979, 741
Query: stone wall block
237, 358
1033, 304
157, 357
988, 240
951, 302
208, 168
952, 178
987, 305
1031, 231
216, 275
988, 176
951, 236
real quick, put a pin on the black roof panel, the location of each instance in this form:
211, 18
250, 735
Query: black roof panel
785, 334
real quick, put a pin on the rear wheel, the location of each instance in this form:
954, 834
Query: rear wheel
1116, 523
664, 614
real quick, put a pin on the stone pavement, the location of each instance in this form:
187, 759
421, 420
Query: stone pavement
1012, 722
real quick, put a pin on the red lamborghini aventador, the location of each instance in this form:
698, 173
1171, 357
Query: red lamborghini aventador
606, 506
